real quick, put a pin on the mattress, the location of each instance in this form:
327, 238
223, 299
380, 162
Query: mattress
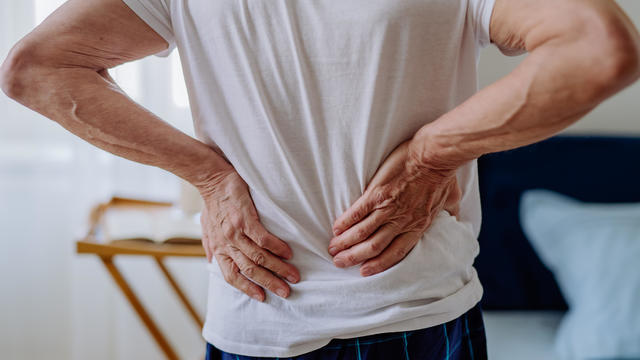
522, 335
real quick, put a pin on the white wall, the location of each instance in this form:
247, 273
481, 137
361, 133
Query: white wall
618, 115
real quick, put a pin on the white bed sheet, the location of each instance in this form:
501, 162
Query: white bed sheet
521, 335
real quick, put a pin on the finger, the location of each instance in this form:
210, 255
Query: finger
366, 249
358, 232
263, 238
259, 274
232, 275
393, 254
265, 259
360, 208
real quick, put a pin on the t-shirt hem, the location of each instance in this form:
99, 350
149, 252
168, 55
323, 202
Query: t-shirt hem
465, 299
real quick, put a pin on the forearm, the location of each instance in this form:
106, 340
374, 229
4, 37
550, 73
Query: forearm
560, 81
90, 105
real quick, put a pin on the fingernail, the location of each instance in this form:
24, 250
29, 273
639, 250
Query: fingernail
339, 262
291, 278
332, 250
335, 232
257, 297
366, 272
282, 292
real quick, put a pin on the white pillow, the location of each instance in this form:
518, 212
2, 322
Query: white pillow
593, 251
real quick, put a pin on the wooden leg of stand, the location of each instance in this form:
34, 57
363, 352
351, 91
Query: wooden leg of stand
179, 292
137, 306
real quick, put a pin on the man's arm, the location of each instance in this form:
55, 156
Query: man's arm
60, 70
580, 53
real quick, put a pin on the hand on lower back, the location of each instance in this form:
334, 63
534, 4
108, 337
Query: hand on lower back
397, 207
243, 248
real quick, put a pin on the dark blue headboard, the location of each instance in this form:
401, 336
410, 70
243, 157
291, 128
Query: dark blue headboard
589, 168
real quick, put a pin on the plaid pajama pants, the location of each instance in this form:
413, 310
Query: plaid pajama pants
460, 339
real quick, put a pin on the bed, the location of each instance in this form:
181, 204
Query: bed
522, 301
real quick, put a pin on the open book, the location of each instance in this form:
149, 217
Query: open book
160, 225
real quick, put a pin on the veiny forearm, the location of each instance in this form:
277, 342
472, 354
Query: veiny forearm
562, 79
89, 104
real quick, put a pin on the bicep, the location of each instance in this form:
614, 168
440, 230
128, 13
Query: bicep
95, 34
512, 21
523, 25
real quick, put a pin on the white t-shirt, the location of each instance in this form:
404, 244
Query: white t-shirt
306, 98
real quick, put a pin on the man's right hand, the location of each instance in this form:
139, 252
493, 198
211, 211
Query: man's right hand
243, 248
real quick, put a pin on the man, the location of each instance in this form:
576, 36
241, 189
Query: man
332, 134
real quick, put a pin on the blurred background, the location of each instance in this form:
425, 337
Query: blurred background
56, 304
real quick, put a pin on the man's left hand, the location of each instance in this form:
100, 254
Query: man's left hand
397, 207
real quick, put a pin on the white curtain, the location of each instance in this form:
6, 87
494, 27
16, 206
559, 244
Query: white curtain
54, 303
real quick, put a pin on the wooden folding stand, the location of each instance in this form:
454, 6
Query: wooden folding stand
106, 251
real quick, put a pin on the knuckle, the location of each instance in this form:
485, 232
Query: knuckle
375, 247
356, 215
229, 249
379, 196
229, 276
250, 271
261, 240
352, 258
269, 283
361, 233
259, 258
218, 250
399, 253
385, 202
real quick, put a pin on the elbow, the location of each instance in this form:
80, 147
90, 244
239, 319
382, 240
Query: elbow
8, 78
621, 62
15, 70
614, 57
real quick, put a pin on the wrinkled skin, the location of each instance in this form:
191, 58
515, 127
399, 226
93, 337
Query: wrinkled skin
397, 207
243, 248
